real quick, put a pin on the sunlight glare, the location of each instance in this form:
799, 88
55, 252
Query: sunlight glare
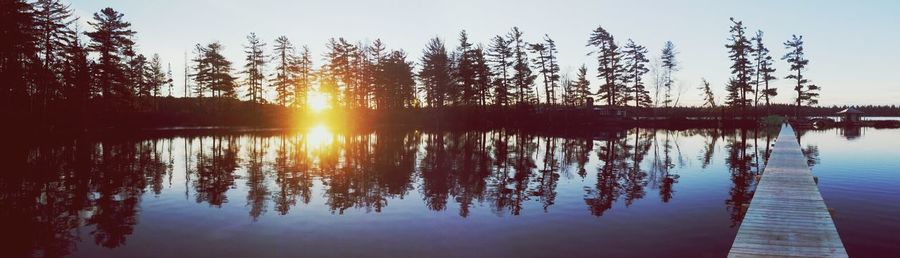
317, 101
319, 136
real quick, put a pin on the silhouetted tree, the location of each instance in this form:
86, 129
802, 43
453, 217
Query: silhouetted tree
283, 81
213, 72
52, 20
740, 50
110, 38
483, 83
763, 71
253, 68
546, 64
709, 100
581, 87
669, 65
610, 68
435, 74
77, 73
466, 76
500, 54
156, 78
396, 77
806, 93
17, 53
522, 78
636, 66
305, 75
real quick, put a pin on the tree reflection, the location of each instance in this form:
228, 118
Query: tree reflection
215, 169
100, 185
743, 178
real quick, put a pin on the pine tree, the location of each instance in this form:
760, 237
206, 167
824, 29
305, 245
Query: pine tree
522, 78
670, 66
253, 68
582, 86
156, 78
52, 20
137, 76
396, 76
709, 100
435, 74
553, 67
482, 69
340, 67
17, 53
764, 70
465, 70
610, 68
806, 93
284, 77
77, 72
636, 66
740, 50
545, 62
213, 72
305, 77
500, 54
111, 37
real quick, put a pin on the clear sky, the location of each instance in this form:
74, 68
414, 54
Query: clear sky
852, 45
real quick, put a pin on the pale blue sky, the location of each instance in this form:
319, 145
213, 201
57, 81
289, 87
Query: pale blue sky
852, 45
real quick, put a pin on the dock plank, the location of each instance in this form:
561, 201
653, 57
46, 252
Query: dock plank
787, 216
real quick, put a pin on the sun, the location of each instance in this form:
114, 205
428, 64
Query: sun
317, 101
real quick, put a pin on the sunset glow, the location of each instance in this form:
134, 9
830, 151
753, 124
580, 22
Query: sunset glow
318, 101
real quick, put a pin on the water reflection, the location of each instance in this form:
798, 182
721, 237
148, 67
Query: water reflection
55, 190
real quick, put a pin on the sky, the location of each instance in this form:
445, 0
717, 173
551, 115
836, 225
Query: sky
851, 45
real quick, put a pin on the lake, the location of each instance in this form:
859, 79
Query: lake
318, 191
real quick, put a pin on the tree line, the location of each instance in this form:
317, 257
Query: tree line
47, 59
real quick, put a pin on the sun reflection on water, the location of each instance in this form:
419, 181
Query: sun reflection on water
318, 137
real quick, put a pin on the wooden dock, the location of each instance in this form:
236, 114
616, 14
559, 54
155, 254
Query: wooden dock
787, 216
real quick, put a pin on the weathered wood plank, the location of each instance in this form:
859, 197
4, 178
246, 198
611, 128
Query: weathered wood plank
787, 216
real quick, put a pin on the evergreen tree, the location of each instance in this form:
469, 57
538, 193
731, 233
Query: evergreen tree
77, 71
764, 70
156, 78
110, 39
253, 68
305, 77
137, 76
284, 68
545, 62
52, 20
213, 72
482, 70
522, 78
670, 66
806, 93
582, 90
465, 70
610, 69
553, 67
636, 66
740, 50
709, 100
435, 74
500, 54
17, 53
396, 76
341, 56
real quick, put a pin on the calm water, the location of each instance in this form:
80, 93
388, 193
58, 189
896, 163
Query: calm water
320, 192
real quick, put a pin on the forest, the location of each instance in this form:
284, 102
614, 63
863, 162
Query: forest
56, 74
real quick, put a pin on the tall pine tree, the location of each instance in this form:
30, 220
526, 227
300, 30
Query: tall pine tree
806, 93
